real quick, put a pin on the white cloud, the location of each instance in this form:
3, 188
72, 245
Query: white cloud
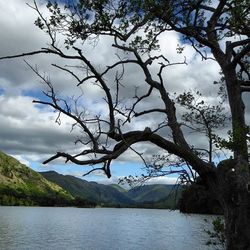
162, 180
21, 159
24, 128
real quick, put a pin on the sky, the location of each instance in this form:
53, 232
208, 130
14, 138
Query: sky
29, 132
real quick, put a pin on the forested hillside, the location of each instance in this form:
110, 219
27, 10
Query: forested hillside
148, 196
20, 185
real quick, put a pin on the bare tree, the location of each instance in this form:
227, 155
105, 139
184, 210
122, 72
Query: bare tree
220, 27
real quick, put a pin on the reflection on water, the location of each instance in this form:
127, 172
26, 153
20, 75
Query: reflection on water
25, 228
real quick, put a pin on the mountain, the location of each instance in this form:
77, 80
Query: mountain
107, 195
119, 188
150, 193
156, 196
148, 196
20, 185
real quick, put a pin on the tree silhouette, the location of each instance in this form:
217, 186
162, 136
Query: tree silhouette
220, 27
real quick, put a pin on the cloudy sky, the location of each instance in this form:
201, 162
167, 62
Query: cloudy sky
29, 132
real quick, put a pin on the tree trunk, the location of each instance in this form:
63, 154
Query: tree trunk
237, 224
237, 108
236, 104
233, 183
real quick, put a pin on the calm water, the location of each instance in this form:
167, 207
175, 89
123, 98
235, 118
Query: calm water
100, 228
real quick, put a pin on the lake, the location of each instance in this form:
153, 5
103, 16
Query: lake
30, 228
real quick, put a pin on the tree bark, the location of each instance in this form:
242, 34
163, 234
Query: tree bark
237, 108
237, 220
233, 192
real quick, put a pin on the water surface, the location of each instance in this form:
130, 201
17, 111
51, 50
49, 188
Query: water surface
30, 228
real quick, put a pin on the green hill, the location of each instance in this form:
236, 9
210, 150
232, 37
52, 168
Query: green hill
20, 185
148, 196
150, 193
119, 188
156, 196
101, 194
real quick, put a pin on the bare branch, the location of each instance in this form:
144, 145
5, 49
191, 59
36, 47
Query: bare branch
104, 86
56, 106
149, 111
43, 51
67, 70
92, 170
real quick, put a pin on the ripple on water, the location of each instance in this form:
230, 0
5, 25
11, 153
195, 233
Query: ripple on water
31, 228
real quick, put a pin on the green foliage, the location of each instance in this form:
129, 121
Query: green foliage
12, 196
20, 185
217, 234
240, 19
204, 116
85, 20
6, 170
231, 142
